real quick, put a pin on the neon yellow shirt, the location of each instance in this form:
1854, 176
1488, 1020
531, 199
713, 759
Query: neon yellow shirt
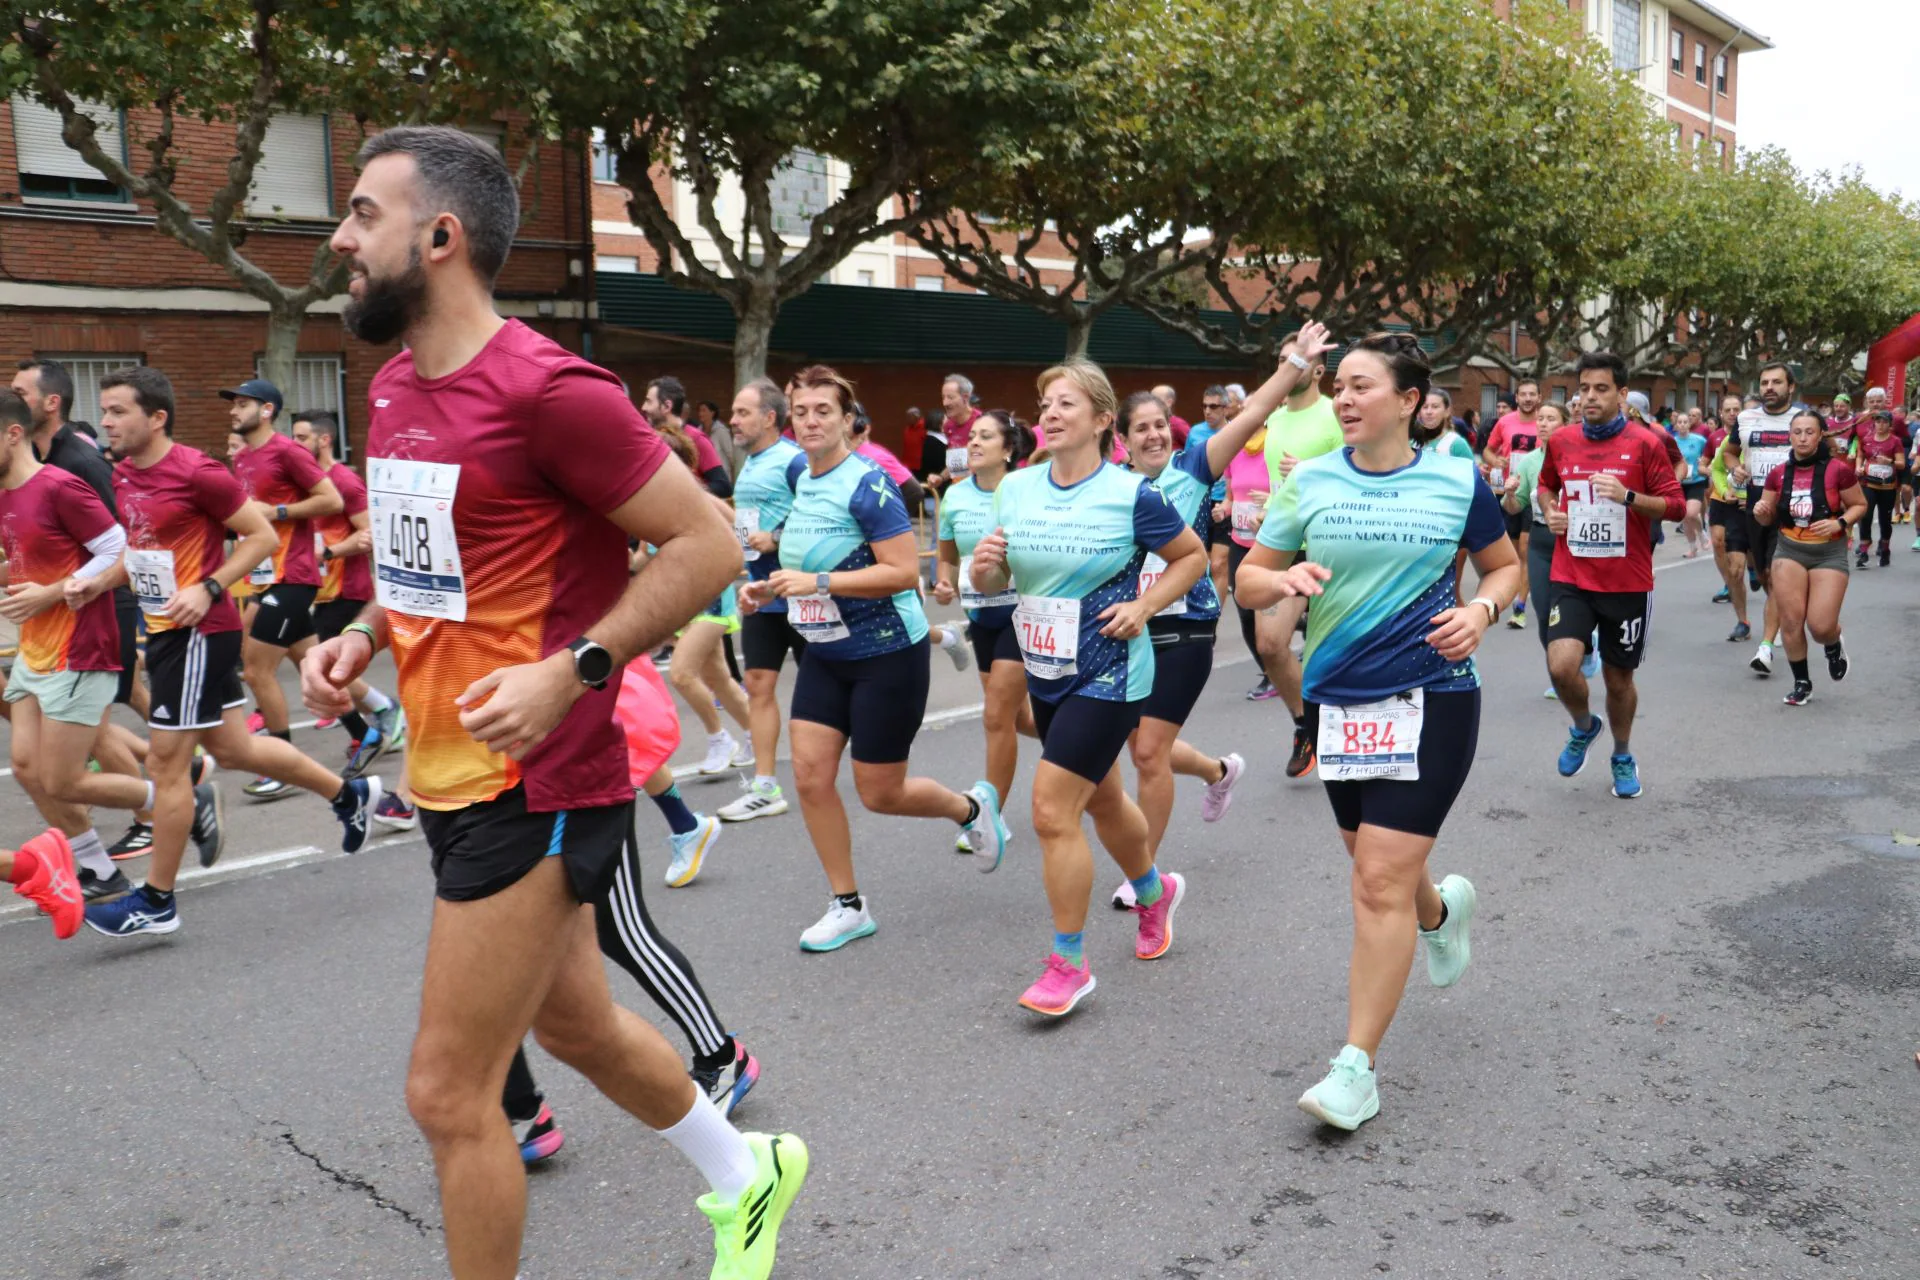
1304, 433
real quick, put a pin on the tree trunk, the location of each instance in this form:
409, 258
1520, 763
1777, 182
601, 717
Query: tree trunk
753, 319
1079, 333
276, 366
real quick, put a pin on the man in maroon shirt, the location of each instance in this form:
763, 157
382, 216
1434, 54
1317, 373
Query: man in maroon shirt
505, 477
1603, 487
956, 403
287, 487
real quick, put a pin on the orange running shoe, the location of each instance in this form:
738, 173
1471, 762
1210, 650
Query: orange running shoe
54, 886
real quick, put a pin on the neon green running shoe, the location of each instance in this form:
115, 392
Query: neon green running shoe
1449, 949
744, 1232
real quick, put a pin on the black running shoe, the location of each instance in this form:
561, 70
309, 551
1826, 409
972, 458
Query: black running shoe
1800, 695
137, 841
94, 889
1303, 756
209, 828
1837, 664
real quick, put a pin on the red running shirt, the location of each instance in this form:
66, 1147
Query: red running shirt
352, 577
45, 526
279, 473
1639, 458
1879, 454
536, 446
181, 504
1794, 514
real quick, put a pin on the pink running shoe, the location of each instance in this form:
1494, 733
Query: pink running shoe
328, 723
256, 723
1156, 921
1219, 795
1062, 985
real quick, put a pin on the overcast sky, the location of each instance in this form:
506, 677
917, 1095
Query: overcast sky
1838, 88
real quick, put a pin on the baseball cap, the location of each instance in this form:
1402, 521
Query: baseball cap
257, 389
1638, 399
1843, 398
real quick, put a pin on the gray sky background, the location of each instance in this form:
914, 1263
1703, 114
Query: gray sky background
1839, 87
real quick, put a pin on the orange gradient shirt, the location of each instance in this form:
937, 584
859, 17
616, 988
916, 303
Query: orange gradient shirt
281, 473
45, 526
350, 578
488, 491
181, 504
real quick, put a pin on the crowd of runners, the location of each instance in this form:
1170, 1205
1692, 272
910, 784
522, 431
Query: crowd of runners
523, 584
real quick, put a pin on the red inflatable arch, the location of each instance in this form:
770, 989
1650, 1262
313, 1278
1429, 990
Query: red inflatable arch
1887, 360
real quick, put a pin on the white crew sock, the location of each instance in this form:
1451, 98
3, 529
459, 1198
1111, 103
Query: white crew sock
716, 1148
715, 739
949, 638
91, 854
375, 701
148, 806
765, 782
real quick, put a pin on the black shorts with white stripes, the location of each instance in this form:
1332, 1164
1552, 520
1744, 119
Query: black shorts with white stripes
194, 678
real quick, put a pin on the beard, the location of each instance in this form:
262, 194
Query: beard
386, 308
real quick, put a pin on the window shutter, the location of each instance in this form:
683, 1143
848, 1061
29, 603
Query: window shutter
36, 136
292, 178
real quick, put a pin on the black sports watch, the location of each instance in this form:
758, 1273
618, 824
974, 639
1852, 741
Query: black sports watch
214, 588
591, 663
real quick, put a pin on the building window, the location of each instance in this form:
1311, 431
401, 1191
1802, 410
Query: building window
615, 262
1699, 139
1489, 404
1720, 150
603, 165
864, 279
316, 385
1720, 74
1051, 290
930, 284
1699, 64
1558, 395
1677, 51
86, 371
799, 193
294, 178
1677, 132
1626, 34
51, 170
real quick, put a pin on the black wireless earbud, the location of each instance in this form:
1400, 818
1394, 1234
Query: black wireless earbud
439, 237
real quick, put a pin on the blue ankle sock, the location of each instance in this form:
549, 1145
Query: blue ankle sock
680, 819
1146, 890
1071, 946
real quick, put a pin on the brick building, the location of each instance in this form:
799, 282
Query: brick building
87, 278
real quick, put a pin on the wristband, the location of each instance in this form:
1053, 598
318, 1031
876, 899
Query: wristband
373, 641
280, 512
1493, 610
1295, 359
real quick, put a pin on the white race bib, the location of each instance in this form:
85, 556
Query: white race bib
817, 618
150, 573
1596, 528
958, 464
261, 575
1762, 461
972, 598
1496, 476
1372, 740
1879, 471
1246, 518
416, 559
1150, 571
1048, 629
746, 523
1800, 508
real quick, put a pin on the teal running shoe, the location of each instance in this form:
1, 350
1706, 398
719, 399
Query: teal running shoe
1347, 1098
1449, 951
1573, 756
1626, 777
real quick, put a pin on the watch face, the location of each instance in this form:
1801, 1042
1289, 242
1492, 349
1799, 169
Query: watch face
593, 663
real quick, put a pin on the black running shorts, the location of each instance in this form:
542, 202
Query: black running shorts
878, 702
1182, 664
332, 617
1084, 736
767, 638
483, 848
126, 615
1449, 735
1621, 616
193, 678
993, 644
285, 614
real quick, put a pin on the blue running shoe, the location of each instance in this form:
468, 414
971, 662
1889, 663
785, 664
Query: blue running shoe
1723, 596
1741, 631
1590, 665
354, 807
134, 914
1626, 777
1573, 756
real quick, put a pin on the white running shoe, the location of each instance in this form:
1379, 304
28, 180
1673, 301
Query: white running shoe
720, 751
1763, 659
956, 646
1124, 898
758, 802
842, 924
1218, 797
690, 851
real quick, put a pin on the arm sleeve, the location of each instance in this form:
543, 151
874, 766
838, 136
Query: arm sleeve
878, 508
1284, 526
718, 482
1486, 522
106, 550
1155, 522
589, 442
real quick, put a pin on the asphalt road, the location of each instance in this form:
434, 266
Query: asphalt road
1685, 1048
